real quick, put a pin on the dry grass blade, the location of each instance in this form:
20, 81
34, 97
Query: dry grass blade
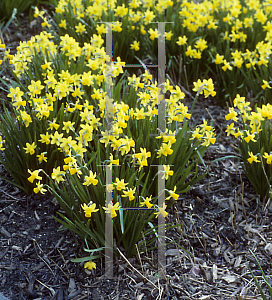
136, 269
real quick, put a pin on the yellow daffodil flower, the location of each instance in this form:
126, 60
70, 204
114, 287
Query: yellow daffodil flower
232, 115
167, 172
80, 28
230, 129
30, 148
111, 209
153, 33
266, 85
89, 209
146, 202
120, 184
34, 175
173, 194
90, 179
129, 194
165, 150
41, 157
252, 158
57, 174
39, 188
90, 265
182, 40
250, 137
162, 211
268, 157
135, 46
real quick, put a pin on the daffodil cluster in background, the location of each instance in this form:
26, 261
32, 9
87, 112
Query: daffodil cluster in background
9, 10
254, 141
228, 42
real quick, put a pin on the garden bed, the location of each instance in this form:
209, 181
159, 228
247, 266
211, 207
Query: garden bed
221, 219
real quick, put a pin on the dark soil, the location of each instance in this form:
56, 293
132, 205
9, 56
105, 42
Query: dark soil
221, 220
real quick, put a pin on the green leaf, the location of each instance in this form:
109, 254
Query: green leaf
264, 277
94, 250
121, 216
87, 258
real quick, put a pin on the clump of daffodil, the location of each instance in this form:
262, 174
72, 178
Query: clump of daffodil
62, 113
202, 38
60, 105
204, 133
205, 86
254, 140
